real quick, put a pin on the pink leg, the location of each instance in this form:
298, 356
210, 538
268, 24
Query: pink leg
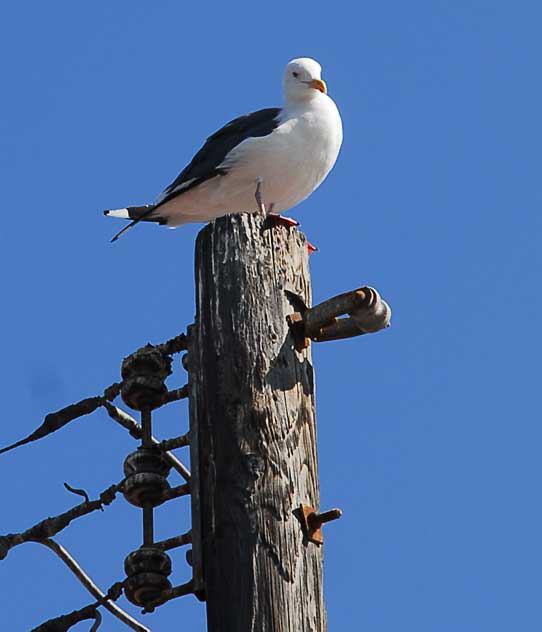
259, 201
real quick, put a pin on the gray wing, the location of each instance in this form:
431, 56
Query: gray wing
206, 163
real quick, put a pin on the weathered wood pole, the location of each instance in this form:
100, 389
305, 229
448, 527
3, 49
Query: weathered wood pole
253, 419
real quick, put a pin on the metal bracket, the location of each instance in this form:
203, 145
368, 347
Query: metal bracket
363, 312
312, 522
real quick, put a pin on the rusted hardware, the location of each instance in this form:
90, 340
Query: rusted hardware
297, 327
175, 442
128, 422
172, 593
146, 472
176, 492
147, 570
312, 522
174, 345
176, 394
143, 374
363, 312
174, 542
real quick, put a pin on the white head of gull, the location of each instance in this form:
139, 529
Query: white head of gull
303, 80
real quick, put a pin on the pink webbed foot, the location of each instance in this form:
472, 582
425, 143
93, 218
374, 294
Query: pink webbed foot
311, 248
286, 221
282, 220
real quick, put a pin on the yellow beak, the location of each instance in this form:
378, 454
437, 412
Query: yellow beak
318, 84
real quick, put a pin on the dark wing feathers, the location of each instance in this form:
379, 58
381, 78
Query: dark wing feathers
205, 164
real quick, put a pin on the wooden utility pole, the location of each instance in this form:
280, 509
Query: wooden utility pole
256, 538
253, 431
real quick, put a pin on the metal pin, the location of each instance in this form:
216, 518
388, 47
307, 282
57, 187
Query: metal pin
317, 520
312, 522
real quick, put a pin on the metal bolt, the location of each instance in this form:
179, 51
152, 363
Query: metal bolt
317, 520
312, 522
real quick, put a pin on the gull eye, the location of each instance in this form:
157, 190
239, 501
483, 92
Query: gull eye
295, 74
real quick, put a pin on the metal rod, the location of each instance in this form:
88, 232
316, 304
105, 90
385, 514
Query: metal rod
146, 428
178, 466
324, 313
172, 543
172, 593
176, 492
175, 442
175, 395
339, 329
316, 520
148, 525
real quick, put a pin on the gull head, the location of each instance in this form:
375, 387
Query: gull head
303, 80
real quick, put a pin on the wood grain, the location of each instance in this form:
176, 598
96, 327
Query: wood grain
252, 418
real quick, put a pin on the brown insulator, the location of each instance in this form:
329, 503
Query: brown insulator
146, 472
143, 374
146, 570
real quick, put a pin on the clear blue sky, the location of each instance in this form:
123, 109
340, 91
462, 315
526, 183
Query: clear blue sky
429, 433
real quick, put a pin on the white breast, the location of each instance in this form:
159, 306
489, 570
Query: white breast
292, 161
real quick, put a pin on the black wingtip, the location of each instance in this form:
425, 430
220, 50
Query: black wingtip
106, 212
127, 227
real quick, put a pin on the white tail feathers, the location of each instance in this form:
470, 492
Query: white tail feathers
120, 212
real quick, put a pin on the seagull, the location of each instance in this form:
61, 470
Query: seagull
264, 162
